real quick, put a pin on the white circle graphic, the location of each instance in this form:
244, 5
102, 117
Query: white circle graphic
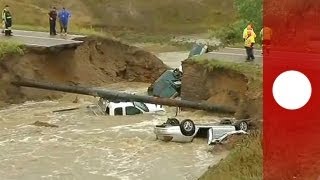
292, 90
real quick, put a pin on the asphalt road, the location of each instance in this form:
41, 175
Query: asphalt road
238, 55
173, 59
233, 54
42, 39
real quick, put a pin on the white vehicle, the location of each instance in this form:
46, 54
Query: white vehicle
128, 108
186, 131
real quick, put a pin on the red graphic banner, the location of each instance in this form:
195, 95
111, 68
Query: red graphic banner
292, 137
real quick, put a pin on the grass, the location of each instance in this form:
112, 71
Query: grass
252, 71
243, 163
152, 16
10, 47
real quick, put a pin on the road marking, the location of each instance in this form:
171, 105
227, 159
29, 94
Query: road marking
233, 54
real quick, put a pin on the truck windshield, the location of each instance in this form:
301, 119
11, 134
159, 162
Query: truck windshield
141, 106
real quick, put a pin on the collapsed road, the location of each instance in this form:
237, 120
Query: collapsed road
126, 97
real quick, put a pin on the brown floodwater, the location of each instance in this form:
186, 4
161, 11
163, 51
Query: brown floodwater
89, 146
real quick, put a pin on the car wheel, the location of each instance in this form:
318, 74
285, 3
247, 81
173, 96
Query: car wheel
242, 125
173, 121
177, 74
187, 127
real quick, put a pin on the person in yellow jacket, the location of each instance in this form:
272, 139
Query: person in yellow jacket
245, 31
266, 36
7, 19
248, 44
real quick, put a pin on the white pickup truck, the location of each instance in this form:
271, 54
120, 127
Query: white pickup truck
127, 108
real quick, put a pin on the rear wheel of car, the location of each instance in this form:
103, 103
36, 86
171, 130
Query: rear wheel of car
187, 127
173, 121
242, 125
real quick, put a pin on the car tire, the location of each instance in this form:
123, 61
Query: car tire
173, 121
187, 127
242, 125
177, 74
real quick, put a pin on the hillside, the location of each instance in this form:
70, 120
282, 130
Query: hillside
179, 16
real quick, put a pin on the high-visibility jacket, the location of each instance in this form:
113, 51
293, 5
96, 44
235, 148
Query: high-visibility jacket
245, 33
266, 33
6, 15
249, 41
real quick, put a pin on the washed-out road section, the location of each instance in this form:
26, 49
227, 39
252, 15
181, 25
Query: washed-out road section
43, 39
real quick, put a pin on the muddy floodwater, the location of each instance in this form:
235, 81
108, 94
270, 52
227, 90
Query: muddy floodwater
87, 146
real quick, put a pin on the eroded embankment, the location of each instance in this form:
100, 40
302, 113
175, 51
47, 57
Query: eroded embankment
95, 62
236, 85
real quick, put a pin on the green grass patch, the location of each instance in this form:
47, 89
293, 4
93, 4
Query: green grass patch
243, 163
252, 71
10, 47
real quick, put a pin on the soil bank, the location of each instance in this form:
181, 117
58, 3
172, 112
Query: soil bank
96, 62
237, 85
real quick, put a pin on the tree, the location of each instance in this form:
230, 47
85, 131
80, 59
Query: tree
250, 11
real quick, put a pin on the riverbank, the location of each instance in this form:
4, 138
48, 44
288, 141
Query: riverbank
98, 61
244, 161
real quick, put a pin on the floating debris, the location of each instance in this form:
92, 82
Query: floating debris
43, 124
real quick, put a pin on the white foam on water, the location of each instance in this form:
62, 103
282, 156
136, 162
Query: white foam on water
26, 139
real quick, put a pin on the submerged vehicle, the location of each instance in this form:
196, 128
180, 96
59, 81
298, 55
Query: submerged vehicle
167, 85
118, 108
198, 49
187, 130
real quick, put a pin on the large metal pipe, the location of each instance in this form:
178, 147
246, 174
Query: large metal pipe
126, 97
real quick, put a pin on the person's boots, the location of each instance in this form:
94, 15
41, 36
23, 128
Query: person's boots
10, 33
6, 32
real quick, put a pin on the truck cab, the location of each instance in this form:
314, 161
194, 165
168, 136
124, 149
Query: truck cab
114, 108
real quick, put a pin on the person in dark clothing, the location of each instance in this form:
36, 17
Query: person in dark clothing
52, 20
7, 19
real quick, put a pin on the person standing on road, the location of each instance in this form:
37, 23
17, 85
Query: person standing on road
266, 35
64, 16
52, 21
245, 32
248, 44
7, 20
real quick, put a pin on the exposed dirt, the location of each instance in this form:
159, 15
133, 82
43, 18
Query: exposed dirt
222, 87
96, 62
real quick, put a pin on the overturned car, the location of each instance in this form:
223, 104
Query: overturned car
187, 130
